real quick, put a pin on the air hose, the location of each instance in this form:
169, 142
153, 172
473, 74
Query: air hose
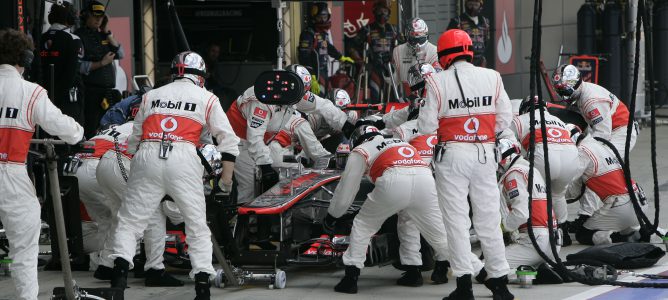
535, 88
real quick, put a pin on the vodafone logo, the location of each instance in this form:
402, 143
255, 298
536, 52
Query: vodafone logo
406, 152
471, 125
169, 124
431, 141
555, 133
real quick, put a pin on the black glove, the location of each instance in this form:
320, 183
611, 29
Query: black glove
348, 129
380, 124
268, 176
363, 122
577, 223
329, 224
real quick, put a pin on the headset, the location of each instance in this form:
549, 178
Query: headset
26, 58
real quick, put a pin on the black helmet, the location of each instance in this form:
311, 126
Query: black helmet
320, 16
362, 134
526, 104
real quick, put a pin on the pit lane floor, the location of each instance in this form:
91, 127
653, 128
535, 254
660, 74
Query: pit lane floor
379, 283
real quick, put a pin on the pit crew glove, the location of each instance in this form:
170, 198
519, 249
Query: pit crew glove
268, 176
380, 124
329, 224
577, 223
348, 129
315, 85
346, 59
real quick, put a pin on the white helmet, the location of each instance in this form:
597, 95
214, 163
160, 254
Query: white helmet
566, 80
189, 65
340, 97
303, 73
416, 75
211, 154
417, 33
506, 151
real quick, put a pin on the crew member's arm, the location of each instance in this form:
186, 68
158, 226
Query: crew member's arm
52, 120
428, 118
228, 142
345, 192
87, 66
598, 114
333, 52
301, 128
313, 103
589, 201
396, 117
135, 138
517, 196
258, 116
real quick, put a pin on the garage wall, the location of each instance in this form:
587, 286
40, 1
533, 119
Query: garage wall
559, 28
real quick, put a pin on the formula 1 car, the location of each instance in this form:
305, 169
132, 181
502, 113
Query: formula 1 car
295, 209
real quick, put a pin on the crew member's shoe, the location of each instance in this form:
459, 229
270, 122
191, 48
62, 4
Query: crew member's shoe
202, 286
566, 238
119, 276
464, 290
440, 273
482, 276
103, 273
158, 277
412, 277
499, 288
348, 283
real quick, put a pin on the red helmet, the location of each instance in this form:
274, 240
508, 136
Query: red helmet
452, 44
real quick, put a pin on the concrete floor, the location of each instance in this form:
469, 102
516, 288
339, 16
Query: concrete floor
378, 283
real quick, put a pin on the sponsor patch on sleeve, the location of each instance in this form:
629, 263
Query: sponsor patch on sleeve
513, 193
593, 113
260, 113
511, 188
255, 122
511, 185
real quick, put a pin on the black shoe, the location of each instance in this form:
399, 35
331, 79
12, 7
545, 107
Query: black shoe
566, 238
632, 237
202, 286
464, 290
499, 288
440, 273
139, 261
158, 277
412, 277
119, 277
103, 273
348, 283
482, 276
574, 226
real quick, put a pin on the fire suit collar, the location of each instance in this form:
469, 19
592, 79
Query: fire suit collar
57, 26
461, 64
6, 69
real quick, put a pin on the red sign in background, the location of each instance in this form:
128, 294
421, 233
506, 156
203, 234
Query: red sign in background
120, 26
504, 44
